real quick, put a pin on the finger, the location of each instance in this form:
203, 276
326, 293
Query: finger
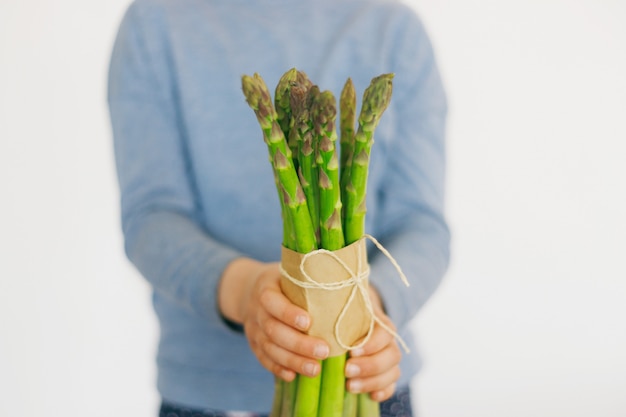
368, 366
384, 394
284, 310
379, 382
290, 339
278, 361
274, 367
291, 361
379, 339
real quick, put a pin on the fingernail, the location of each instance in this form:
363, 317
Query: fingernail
378, 395
357, 352
321, 351
355, 386
302, 322
286, 375
310, 368
352, 370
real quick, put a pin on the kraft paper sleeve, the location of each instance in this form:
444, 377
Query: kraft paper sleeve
325, 302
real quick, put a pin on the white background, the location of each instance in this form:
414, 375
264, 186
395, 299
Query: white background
531, 319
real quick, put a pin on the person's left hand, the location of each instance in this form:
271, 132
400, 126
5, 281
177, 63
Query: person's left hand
375, 367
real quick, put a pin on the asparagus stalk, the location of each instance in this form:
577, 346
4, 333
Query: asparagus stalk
350, 401
283, 114
307, 396
367, 407
308, 389
282, 98
376, 98
289, 391
279, 387
290, 190
333, 386
304, 84
324, 113
306, 144
291, 194
347, 108
350, 405
289, 237
282, 394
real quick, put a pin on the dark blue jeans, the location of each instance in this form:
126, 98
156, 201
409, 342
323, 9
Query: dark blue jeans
397, 406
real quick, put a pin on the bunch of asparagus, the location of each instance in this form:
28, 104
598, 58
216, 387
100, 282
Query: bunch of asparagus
322, 200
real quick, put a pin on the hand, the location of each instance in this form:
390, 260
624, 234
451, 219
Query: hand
273, 325
375, 368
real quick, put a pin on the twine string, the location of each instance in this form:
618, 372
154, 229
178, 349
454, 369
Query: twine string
358, 282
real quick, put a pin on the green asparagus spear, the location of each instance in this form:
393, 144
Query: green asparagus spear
333, 386
350, 404
367, 407
307, 396
282, 97
288, 398
284, 395
303, 84
282, 103
347, 110
258, 98
306, 144
277, 402
289, 237
376, 98
302, 95
324, 113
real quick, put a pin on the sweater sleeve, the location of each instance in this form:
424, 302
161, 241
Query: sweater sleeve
160, 211
410, 221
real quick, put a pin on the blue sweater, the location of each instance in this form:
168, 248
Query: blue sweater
197, 190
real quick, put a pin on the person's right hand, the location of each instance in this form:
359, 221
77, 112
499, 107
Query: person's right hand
273, 325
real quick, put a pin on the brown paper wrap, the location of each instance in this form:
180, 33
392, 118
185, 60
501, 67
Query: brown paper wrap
327, 300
